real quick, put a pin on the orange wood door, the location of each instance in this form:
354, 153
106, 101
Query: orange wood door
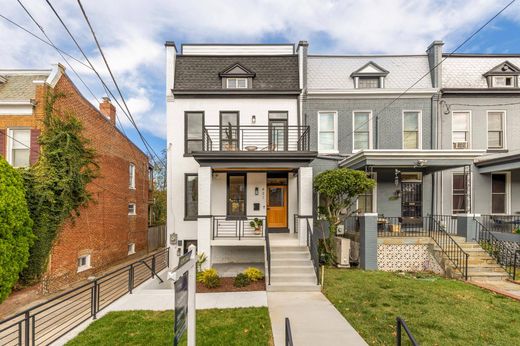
277, 206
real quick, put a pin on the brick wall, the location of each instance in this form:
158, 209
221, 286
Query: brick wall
104, 229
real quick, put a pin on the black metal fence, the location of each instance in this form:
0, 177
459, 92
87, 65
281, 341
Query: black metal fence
251, 226
501, 223
505, 253
400, 325
44, 323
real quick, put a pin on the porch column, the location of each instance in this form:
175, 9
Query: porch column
304, 202
368, 241
467, 227
204, 216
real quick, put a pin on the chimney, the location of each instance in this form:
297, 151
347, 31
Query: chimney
107, 109
434, 52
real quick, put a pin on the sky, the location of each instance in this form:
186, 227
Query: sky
132, 34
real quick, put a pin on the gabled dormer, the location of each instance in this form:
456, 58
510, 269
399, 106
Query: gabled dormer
504, 75
237, 76
369, 76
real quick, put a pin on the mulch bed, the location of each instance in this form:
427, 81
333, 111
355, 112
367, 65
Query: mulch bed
226, 285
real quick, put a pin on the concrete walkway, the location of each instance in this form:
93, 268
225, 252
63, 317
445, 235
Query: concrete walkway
314, 320
507, 288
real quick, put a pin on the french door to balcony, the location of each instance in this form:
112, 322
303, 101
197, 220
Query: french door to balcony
277, 135
229, 131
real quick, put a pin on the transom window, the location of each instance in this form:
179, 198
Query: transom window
461, 130
236, 83
411, 130
19, 147
362, 130
327, 131
368, 83
495, 130
193, 127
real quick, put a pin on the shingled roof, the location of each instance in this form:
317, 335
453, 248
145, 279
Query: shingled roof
19, 87
201, 73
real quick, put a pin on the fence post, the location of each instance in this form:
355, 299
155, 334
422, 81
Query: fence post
153, 266
27, 326
368, 241
131, 278
398, 331
94, 300
467, 226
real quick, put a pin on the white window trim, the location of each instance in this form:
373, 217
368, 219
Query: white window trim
236, 85
508, 192
135, 209
10, 139
370, 130
470, 132
503, 86
131, 249
374, 194
335, 150
419, 127
504, 134
87, 266
131, 167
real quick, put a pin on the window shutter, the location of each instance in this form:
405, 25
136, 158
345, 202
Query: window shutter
35, 146
3, 142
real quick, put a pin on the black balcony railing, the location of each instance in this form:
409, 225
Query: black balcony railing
225, 227
252, 138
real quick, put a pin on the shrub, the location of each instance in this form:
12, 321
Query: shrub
209, 278
254, 274
241, 280
15, 228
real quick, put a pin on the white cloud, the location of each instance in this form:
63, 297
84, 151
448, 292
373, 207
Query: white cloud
133, 32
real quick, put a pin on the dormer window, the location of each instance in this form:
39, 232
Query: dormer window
369, 76
504, 75
237, 76
236, 83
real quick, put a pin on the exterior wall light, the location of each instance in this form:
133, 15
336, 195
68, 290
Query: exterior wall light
253, 119
256, 191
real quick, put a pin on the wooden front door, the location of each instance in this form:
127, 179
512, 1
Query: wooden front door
277, 206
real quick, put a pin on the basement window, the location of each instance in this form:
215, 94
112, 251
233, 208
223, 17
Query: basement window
83, 263
131, 248
132, 210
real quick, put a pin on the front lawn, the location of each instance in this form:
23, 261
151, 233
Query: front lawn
245, 326
438, 311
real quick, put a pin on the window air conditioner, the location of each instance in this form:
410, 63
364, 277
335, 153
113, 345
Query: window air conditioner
460, 145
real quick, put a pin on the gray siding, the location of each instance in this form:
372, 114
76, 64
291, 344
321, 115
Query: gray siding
389, 123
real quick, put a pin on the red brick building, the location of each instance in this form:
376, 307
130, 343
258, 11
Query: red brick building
114, 227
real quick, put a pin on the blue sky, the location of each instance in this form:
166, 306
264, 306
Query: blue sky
132, 34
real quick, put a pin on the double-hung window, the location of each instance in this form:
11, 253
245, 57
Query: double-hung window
19, 147
193, 128
495, 122
459, 192
131, 176
461, 130
191, 196
327, 131
362, 124
499, 195
411, 130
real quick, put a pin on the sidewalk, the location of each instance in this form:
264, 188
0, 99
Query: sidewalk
507, 288
314, 320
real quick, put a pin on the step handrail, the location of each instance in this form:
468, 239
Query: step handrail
401, 324
268, 256
449, 247
312, 244
288, 333
496, 248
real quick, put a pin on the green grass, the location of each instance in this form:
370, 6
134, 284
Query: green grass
438, 311
245, 326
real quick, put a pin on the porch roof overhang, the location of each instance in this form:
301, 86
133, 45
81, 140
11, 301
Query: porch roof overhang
498, 162
427, 161
245, 159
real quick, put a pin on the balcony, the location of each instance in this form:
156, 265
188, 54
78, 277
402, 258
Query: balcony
267, 144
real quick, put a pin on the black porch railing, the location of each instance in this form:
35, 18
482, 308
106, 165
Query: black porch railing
288, 333
400, 325
505, 253
253, 138
458, 257
312, 244
44, 323
448, 222
225, 227
501, 223
397, 226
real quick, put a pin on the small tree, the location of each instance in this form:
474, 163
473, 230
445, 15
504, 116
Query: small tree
15, 228
339, 189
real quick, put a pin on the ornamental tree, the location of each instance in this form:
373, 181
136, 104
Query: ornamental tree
339, 189
16, 235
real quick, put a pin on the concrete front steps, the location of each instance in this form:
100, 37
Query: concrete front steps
481, 266
292, 269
